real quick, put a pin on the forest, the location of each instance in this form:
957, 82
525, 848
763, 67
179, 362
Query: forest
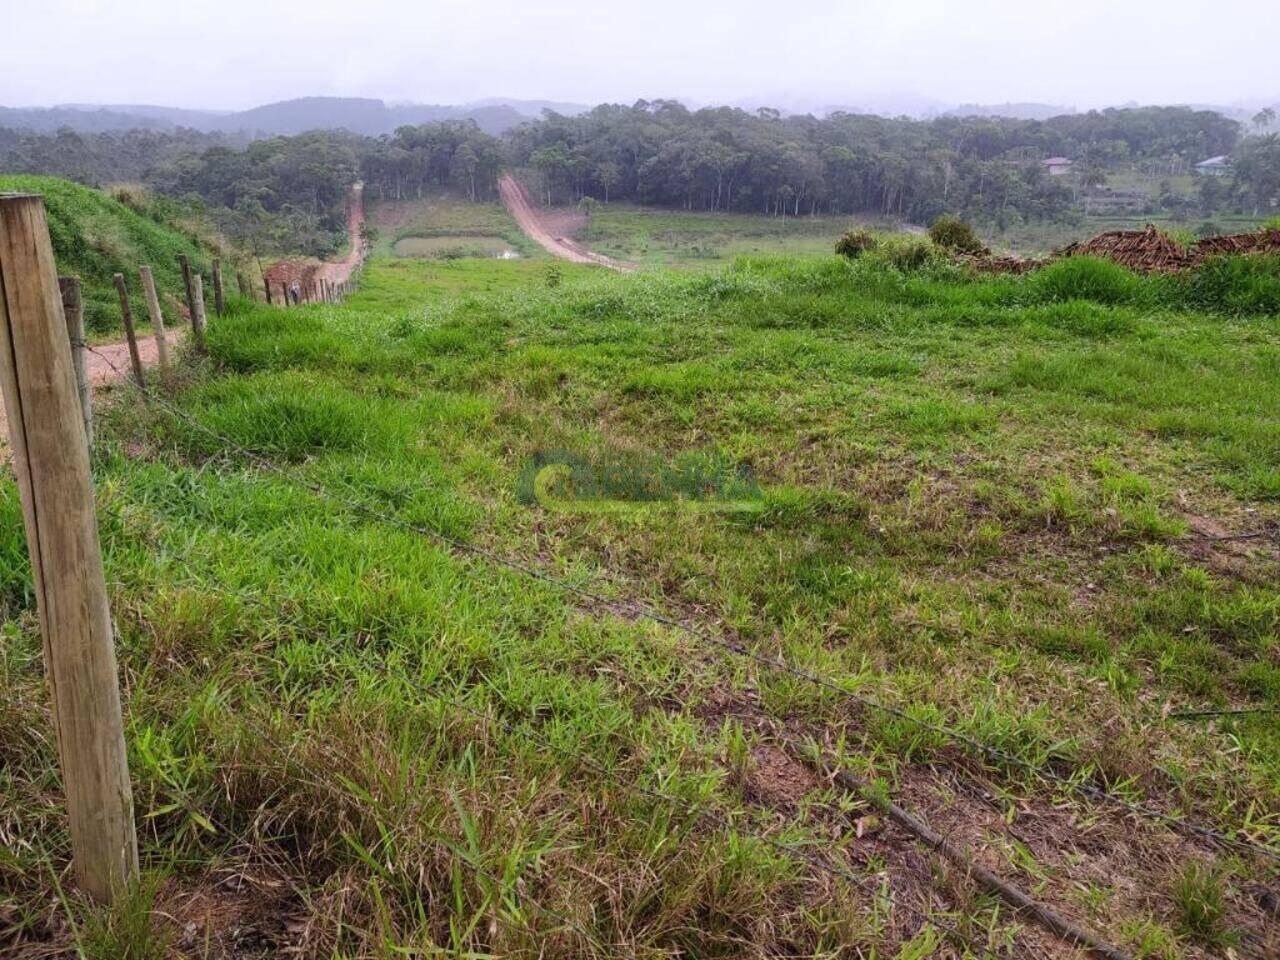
277, 190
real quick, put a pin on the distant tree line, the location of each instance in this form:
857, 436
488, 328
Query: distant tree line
289, 192
276, 193
450, 153
983, 168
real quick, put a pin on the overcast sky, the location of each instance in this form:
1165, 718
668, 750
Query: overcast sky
239, 53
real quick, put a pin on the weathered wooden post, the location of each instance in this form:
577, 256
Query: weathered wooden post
51, 460
266, 283
198, 318
73, 310
219, 302
284, 292
188, 282
126, 315
242, 284
157, 319
185, 265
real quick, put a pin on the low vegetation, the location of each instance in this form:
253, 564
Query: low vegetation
992, 503
96, 235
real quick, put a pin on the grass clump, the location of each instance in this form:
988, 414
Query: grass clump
1201, 902
1235, 284
855, 243
956, 235
1085, 278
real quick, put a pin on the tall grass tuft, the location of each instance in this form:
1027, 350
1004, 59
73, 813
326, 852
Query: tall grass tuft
1234, 284
1085, 278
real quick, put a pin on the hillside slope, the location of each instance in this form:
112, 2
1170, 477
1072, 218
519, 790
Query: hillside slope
95, 236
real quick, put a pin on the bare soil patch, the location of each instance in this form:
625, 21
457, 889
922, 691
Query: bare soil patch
551, 232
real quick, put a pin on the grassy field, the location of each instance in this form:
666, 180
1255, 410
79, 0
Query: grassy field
988, 504
447, 223
673, 238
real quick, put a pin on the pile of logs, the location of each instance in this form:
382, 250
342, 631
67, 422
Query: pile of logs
1263, 241
1147, 251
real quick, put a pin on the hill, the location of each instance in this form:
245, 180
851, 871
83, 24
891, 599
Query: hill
282, 118
96, 235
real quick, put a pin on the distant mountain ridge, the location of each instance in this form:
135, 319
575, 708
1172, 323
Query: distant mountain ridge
494, 115
361, 115
1011, 111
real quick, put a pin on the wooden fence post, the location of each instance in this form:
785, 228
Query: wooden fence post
51, 460
219, 302
266, 283
157, 319
198, 318
188, 281
185, 266
242, 284
73, 310
126, 314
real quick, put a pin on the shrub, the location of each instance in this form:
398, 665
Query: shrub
1208, 229
954, 234
1085, 278
855, 243
135, 196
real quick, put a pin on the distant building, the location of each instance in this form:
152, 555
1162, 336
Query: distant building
1214, 166
1056, 166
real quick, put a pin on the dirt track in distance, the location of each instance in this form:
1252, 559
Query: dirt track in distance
516, 199
306, 273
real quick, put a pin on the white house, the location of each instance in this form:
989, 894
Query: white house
1056, 166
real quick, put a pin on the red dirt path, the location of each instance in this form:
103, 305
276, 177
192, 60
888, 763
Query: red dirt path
104, 364
306, 272
536, 228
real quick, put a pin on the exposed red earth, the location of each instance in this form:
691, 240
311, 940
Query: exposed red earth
540, 229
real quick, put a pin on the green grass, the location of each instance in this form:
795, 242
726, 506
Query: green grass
453, 248
672, 238
975, 494
95, 236
453, 221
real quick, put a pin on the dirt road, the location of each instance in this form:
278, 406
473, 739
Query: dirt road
306, 272
104, 364
522, 210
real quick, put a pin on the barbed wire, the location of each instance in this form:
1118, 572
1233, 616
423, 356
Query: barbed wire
640, 609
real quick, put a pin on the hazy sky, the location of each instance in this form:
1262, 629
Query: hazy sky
238, 53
